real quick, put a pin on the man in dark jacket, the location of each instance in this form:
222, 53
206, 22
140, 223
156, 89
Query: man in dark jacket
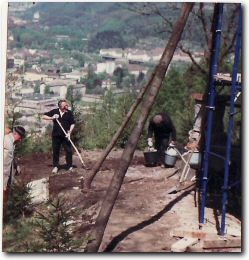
66, 118
164, 133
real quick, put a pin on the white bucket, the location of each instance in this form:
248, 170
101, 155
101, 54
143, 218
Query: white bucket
170, 156
195, 160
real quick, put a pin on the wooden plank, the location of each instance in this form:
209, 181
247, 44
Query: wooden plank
200, 234
181, 245
232, 242
197, 248
172, 190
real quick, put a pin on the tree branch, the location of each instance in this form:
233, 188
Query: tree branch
203, 71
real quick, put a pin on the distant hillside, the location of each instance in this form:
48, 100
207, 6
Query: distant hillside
95, 22
91, 18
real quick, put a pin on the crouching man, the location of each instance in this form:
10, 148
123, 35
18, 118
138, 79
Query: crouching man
163, 129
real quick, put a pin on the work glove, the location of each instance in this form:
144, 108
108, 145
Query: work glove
68, 135
172, 144
150, 143
55, 116
18, 170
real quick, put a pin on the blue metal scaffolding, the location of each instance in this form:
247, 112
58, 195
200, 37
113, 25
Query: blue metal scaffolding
235, 88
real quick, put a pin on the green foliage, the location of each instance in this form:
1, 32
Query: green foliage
50, 230
54, 229
93, 81
96, 18
128, 81
30, 38
19, 236
34, 142
112, 24
140, 78
66, 69
108, 116
80, 57
37, 88
173, 98
73, 96
118, 75
106, 39
13, 118
79, 129
236, 138
19, 200
72, 44
47, 90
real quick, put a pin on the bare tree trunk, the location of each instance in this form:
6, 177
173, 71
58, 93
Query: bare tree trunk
207, 53
127, 155
126, 120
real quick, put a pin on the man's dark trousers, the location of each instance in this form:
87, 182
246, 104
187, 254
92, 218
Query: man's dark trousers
57, 142
161, 144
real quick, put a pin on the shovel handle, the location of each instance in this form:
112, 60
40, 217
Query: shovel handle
75, 148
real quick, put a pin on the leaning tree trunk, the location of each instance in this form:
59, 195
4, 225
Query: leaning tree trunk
126, 120
113, 190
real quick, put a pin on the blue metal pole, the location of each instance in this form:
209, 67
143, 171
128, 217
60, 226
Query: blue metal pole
231, 123
211, 107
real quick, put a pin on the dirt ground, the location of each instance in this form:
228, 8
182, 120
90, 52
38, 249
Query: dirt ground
147, 210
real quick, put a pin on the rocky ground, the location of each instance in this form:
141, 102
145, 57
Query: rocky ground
148, 208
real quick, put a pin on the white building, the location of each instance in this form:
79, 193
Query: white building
32, 108
37, 104
34, 76
136, 69
75, 74
107, 67
26, 91
42, 88
80, 88
18, 62
156, 54
136, 55
111, 53
58, 87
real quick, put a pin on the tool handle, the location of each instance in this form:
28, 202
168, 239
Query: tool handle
75, 148
77, 152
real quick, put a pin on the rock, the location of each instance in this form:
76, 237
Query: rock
39, 190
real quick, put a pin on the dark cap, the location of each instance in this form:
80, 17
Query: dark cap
20, 130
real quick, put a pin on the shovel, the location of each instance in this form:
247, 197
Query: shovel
75, 148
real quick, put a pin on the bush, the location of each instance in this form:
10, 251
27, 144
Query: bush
54, 229
108, 116
19, 200
49, 231
33, 143
17, 236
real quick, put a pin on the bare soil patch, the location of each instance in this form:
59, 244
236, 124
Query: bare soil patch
144, 214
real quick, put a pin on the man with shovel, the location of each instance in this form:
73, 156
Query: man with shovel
63, 125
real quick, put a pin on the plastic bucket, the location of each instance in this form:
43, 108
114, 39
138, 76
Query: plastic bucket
195, 160
150, 158
170, 160
170, 156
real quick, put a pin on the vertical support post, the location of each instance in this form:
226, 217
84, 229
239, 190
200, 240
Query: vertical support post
211, 107
231, 122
